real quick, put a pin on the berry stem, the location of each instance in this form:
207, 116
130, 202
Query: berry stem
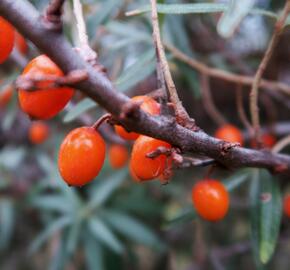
101, 120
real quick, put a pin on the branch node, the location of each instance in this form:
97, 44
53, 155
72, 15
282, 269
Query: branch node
227, 146
52, 15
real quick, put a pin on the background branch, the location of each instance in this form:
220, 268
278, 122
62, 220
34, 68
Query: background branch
254, 109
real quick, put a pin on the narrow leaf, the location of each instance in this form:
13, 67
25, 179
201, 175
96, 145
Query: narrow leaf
231, 19
51, 228
77, 110
266, 211
132, 228
105, 235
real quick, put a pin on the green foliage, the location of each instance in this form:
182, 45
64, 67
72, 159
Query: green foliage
266, 211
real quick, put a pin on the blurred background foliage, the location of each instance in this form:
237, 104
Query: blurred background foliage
115, 223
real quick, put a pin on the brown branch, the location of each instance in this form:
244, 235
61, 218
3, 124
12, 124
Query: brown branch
31, 83
225, 75
97, 86
208, 102
241, 110
181, 115
254, 108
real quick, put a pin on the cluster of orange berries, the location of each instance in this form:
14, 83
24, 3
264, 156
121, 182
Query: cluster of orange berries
12, 38
82, 152
231, 133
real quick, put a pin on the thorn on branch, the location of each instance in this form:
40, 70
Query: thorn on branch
52, 15
161, 150
131, 109
31, 83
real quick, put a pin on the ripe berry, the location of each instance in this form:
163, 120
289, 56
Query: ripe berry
43, 103
268, 140
143, 167
81, 156
229, 133
286, 205
210, 199
149, 105
38, 132
21, 43
118, 156
6, 40
6, 95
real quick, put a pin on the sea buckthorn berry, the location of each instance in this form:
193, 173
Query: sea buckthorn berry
6, 95
210, 199
81, 156
43, 103
143, 167
6, 40
229, 133
268, 140
286, 205
21, 43
38, 132
118, 156
148, 105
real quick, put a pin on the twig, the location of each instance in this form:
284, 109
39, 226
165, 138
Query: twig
181, 114
225, 75
254, 108
241, 110
86, 51
208, 102
106, 117
52, 15
31, 83
281, 144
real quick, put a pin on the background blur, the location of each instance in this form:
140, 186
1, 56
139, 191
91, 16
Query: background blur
115, 223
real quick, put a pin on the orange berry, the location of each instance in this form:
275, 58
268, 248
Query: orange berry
123, 133
21, 43
286, 205
118, 155
38, 132
81, 156
210, 199
6, 95
148, 105
143, 167
43, 103
6, 40
268, 140
229, 133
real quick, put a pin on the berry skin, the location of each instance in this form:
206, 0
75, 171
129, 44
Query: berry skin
43, 103
148, 105
38, 132
286, 205
268, 140
118, 156
145, 168
6, 95
81, 156
210, 199
229, 133
6, 40
21, 43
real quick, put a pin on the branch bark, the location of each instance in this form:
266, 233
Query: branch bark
98, 87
